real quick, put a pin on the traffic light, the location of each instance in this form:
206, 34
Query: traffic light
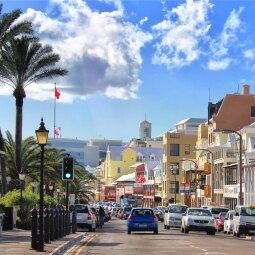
68, 169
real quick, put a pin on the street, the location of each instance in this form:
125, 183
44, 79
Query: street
113, 240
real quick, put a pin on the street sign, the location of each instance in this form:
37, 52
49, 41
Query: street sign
68, 169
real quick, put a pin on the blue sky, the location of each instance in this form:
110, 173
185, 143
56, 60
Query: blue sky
168, 55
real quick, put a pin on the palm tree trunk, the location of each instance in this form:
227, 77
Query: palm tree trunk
2, 164
19, 95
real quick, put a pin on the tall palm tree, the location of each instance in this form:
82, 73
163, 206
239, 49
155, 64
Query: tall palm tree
2, 163
24, 61
10, 27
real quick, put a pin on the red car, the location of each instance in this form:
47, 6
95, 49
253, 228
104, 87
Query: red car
219, 221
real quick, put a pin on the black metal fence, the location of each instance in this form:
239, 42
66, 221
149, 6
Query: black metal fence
57, 224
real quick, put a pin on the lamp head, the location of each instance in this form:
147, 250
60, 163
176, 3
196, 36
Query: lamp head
42, 134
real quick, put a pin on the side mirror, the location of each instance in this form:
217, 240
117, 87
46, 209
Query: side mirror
166, 211
237, 214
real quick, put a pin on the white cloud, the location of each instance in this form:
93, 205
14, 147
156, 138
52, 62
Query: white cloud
100, 49
142, 21
249, 54
216, 65
219, 53
181, 34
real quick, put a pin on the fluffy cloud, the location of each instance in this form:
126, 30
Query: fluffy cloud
249, 54
220, 59
100, 49
181, 34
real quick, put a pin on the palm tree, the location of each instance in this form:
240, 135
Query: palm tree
10, 28
2, 163
24, 61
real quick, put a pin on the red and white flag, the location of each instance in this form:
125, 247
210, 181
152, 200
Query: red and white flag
57, 93
57, 131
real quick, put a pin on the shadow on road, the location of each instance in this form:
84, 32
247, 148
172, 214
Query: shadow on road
104, 244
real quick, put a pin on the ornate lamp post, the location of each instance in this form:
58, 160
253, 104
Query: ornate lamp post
51, 189
42, 137
22, 177
58, 192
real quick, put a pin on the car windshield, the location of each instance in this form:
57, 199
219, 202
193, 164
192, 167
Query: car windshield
248, 211
199, 212
218, 210
81, 209
177, 209
127, 210
142, 212
223, 215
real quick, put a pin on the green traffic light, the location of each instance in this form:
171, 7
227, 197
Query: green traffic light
68, 175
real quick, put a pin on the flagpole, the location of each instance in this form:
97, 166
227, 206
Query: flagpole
54, 112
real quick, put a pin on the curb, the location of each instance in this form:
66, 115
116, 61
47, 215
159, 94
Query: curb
65, 246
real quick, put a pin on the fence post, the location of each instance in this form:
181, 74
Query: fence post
74, 222
47, 226
52, 227
56, 223
34, 228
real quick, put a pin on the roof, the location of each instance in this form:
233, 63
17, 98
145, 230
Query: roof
126, 177
116, 151
231, 165
137, 164
150, 165
191, 120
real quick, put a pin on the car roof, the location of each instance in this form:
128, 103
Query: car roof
198, 208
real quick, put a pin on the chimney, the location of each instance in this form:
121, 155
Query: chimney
246, 89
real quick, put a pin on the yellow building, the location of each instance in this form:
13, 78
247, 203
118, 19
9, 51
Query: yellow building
177, 144
120, 158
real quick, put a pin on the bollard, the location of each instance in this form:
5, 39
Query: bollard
34, 228
52, 227
63, 222
74, 222
47, 226
56, 223
66, 222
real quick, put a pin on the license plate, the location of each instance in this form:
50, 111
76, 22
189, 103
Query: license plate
142, 225
79, 217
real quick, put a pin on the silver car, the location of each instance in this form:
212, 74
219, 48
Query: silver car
85, 217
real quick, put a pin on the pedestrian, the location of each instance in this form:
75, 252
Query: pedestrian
101, 216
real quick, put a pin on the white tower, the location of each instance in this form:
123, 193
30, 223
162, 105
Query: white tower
145, 130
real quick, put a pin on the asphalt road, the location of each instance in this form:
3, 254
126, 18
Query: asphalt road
113, 240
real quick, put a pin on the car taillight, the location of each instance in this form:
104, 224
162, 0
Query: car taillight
89, 216
155, 218
130, 218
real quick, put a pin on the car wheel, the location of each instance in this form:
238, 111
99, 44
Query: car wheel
155, 231
129, 231
186, 231
182, 230
234, 233
167, 227
90, 228
213, 232
94, 229
164, 226
225, 232
238, 234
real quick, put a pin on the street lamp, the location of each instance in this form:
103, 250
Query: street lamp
212, 170
240, 160
22, 177
42, 137
50, 189
193, 161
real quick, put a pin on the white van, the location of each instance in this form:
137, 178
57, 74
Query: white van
244, 220
173, 215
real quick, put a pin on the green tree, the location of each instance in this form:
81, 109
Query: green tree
10, 27
24, 61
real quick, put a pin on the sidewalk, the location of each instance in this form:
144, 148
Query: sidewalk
18, 242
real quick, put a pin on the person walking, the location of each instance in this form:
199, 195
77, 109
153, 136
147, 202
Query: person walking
101, 213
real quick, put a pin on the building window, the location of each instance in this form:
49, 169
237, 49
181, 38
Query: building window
118, 170
253, 111
174, 149
187, 149
174, 187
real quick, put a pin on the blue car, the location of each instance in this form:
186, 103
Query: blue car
142, 219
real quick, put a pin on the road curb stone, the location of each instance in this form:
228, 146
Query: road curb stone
65, 246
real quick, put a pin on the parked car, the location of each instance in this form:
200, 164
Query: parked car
173, 215
228, 223
142, 219
85, 217
216, 210
159, 214
244, 220
219, 221
126, 212
198, 219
